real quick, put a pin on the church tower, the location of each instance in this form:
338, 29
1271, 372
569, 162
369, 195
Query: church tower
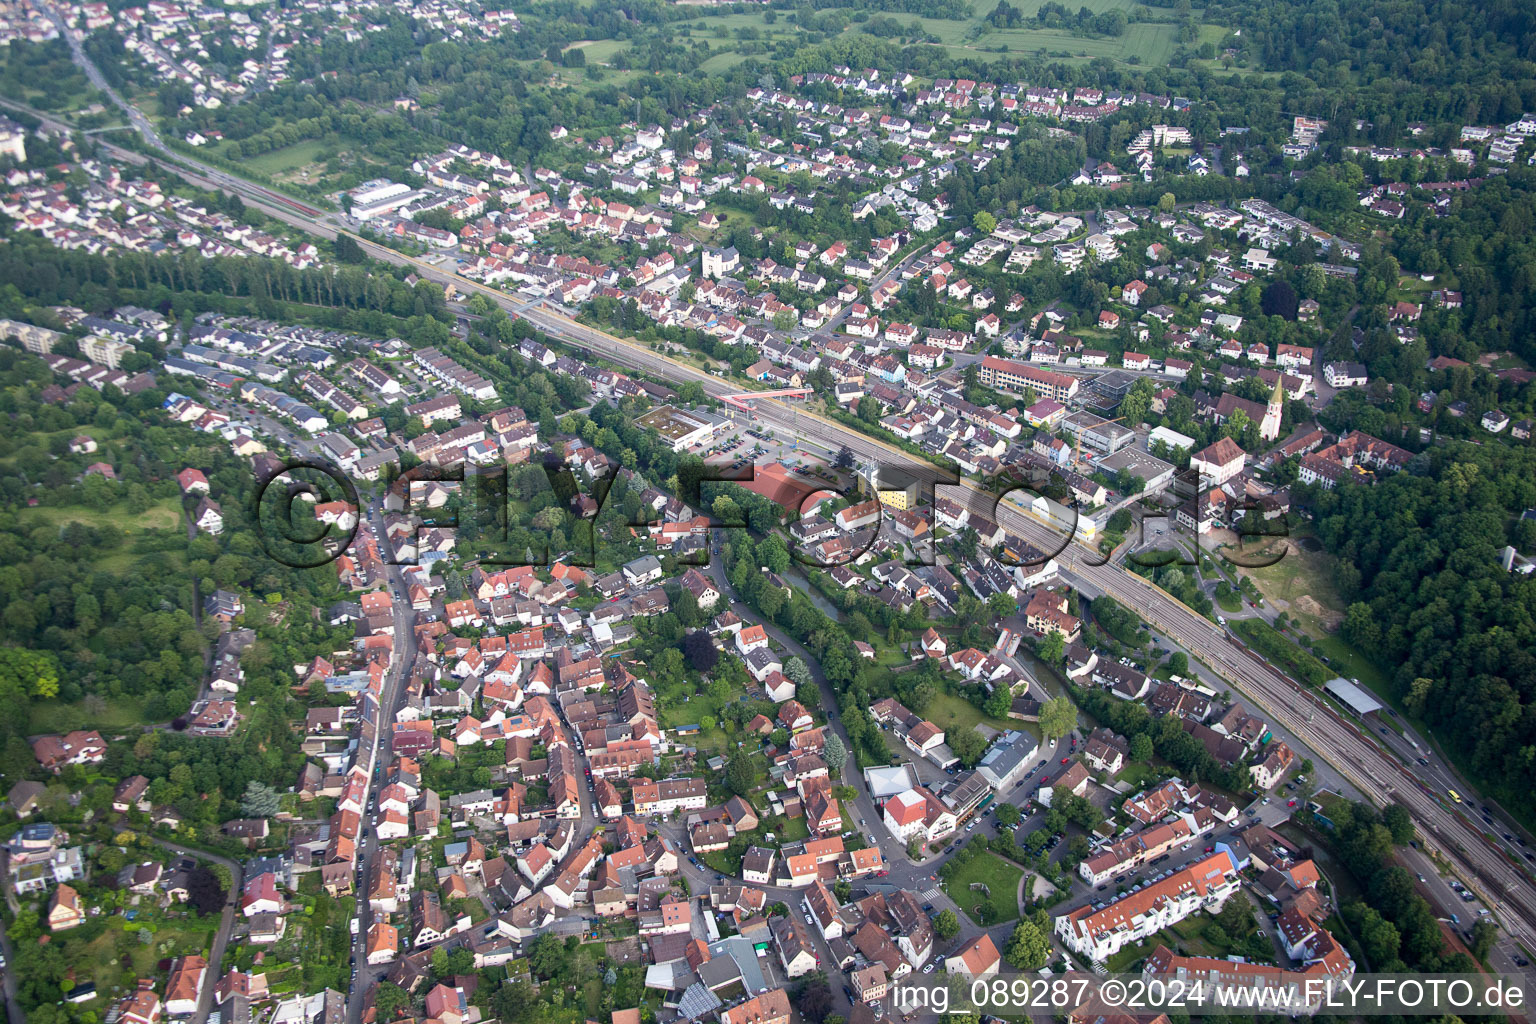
1270, 428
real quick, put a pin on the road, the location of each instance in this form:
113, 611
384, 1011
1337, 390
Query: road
226, 923
13, 1011
1354, 754
378, 756
1374, 770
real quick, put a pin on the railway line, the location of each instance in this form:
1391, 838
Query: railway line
1506, 887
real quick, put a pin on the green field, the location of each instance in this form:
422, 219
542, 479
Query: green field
1147, 43
288, 158
1002, 887
109, 713
953, 713
163, 515
722, 62
600, 51
1151, 43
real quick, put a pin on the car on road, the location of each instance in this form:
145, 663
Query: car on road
1421, 878
1064, 760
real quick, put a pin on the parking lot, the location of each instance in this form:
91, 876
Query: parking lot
742, 445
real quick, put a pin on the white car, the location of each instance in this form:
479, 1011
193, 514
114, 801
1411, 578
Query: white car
928, 969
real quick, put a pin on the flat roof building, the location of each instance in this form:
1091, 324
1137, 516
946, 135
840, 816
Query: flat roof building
1098, 433
1155, 474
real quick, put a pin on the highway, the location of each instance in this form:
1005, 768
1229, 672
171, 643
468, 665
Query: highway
1456, 836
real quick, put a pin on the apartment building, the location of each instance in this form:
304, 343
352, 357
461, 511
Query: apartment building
1100, 931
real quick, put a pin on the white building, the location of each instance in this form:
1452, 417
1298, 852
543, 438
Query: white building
1101, 933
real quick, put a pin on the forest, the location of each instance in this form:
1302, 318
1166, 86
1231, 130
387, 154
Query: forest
1418, 560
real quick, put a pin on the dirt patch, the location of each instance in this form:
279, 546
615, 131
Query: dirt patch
624, 951
1330, 619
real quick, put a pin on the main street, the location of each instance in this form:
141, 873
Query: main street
1374, 770
403, 656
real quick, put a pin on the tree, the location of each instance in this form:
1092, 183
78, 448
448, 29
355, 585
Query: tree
700, 650
1058, 716
967, 745
795, 671
1484, 934
204, 892
260, 800
984, 222
739, 774
1137, 401
514, 1001
1178, 663
997, 705
1053, 648
845, 458
546, 957
1027, 948
390, 1000
834, 753
1141, 747
814, 1000
1399, 823
1007, 815
26, 673
946, 926
1001, 605
1280, 299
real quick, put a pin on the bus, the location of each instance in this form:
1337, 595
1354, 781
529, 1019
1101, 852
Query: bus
1454, 795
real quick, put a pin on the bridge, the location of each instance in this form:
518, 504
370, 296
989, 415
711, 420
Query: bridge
743, 400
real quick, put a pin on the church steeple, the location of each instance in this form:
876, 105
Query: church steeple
1270, 428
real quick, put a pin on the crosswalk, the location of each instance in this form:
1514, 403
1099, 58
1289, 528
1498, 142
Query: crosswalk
929, 895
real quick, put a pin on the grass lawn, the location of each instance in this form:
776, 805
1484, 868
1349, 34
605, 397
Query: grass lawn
164, 514
287, 158
1137, 775
952, 712
117, 955
1301, 585
1127, 957
794, 829
107, 713
1150, 43
1001, 879
1183, 937
600, 51
1230, 603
